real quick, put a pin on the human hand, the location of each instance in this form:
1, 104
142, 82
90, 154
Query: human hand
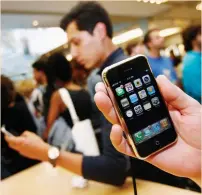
45, 136
184, 157
29, 145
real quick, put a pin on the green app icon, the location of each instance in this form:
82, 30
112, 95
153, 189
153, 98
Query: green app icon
120, 91
139, 136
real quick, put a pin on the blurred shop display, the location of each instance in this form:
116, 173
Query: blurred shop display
20, 47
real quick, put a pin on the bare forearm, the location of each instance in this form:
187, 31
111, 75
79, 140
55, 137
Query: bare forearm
71, 162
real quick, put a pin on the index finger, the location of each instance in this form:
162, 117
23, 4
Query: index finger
14, 142
104, 104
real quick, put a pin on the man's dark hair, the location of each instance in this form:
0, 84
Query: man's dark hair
87, 15
147, 37
189, 34
61, 67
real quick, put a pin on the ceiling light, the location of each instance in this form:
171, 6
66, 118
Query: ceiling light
159, 1
170, 31
152, 1
35, 23
131, 34
199, 7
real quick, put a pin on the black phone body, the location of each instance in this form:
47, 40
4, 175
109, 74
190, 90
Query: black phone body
140, 106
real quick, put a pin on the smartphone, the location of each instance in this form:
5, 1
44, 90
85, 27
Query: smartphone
3, 130
139, 105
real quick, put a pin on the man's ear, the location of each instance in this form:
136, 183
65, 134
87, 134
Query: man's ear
100, 30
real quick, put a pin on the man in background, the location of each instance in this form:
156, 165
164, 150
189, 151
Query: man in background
191, 74
44, 79
39, 73
159, 64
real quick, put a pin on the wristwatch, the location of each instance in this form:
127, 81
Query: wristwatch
53, 154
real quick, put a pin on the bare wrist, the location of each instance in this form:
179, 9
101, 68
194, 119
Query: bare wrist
44, 152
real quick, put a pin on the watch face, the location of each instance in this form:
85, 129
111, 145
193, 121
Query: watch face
53, 153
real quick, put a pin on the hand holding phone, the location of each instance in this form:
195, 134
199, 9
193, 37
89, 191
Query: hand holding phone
184, 157
5, 132
140, 106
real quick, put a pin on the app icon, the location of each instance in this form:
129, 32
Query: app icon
147, 131
139, 136
124, 102
137, 83
142, 94
120, 91
129, 87
155, 101
133, 98
150, 90
156, 127
138, 109
129, 113
147, 106
146, 79
164, 123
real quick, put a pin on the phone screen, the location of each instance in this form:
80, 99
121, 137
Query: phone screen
141, 105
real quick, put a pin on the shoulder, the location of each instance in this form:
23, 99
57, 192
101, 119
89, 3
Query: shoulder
152, 61
56, 96
167, 59
93, 78
167, 62
94, 75
188, 58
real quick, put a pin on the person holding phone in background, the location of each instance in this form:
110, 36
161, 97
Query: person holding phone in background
16, 118
89, 32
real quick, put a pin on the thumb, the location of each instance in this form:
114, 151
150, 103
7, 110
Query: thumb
15, 142
173, 95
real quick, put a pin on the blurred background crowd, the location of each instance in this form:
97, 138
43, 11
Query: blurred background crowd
37, 61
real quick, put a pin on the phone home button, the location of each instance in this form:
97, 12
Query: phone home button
157, 143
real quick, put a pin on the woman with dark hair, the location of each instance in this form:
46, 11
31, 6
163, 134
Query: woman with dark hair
15, 116
62, 72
